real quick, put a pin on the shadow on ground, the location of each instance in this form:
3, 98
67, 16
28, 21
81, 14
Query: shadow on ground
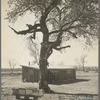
74, 94
69, 81
82, 94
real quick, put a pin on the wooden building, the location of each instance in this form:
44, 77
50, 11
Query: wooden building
61, 74
32, 74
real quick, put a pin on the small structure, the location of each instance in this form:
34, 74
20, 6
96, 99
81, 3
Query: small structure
27, 94
32, 74
61, 74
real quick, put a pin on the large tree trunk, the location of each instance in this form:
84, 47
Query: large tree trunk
43, 63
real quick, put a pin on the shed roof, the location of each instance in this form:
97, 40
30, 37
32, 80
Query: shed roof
58, 67
35, 67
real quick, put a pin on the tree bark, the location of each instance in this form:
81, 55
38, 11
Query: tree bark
43, 63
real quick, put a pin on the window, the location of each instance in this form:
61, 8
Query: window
69, 72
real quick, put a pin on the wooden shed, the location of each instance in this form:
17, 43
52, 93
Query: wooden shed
32, 74
61, 74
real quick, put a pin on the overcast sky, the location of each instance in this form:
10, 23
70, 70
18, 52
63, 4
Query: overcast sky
15, 46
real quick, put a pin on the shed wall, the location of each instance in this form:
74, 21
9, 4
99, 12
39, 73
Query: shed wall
54, 75
30, 74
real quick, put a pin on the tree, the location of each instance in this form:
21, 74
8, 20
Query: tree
61, 64
33, 50
12, 64
82, 61
58, 21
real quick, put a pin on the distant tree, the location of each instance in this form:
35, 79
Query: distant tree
61, 63
58, 21
33, 50
12, 64
81, 61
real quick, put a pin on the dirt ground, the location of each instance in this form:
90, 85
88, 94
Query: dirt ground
84, 88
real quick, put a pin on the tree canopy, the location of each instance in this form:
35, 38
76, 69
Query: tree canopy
63, 18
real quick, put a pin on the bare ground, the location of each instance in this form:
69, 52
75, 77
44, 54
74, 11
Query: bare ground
84, 88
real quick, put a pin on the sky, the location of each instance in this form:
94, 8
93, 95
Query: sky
15, 47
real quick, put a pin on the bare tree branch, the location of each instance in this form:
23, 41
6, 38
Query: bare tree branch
30, 29
73, 34
44, 16
62, 47
58, 41
71, 22
67, 29
47, 11
24, 32
59, 12
52, 19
